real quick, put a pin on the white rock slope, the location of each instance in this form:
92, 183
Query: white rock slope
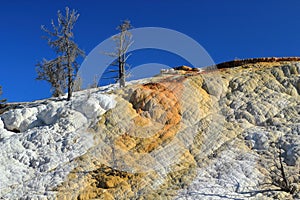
40, 139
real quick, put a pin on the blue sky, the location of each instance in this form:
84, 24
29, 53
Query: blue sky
226, 29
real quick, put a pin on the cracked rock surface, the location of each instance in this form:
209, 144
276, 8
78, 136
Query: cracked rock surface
211, 135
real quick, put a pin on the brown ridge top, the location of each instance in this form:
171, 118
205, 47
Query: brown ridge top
186, 68
240, 62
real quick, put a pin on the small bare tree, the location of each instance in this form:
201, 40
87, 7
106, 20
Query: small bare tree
123, 41
1, 100
61, 39
53, 71
77, 83
281, 176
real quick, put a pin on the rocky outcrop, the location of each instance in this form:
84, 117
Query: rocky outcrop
216, 134
206, 136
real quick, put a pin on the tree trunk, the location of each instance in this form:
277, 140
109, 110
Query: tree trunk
122, 78
121, 72
285, 179
70, 71
70, 74
69, 83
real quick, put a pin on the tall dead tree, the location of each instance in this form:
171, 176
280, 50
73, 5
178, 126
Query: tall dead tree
123, 41
61, 39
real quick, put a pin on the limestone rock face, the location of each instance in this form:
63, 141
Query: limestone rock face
214, 134
208, 135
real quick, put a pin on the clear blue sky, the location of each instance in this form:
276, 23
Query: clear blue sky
226, 29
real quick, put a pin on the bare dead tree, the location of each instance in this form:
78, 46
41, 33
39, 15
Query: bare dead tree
61, 39
123, 41
95, 82
281, 176
77, 83
1, 100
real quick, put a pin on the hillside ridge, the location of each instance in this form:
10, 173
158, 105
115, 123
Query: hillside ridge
239, 62
175, 136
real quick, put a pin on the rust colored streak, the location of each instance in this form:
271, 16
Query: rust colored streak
164, 96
